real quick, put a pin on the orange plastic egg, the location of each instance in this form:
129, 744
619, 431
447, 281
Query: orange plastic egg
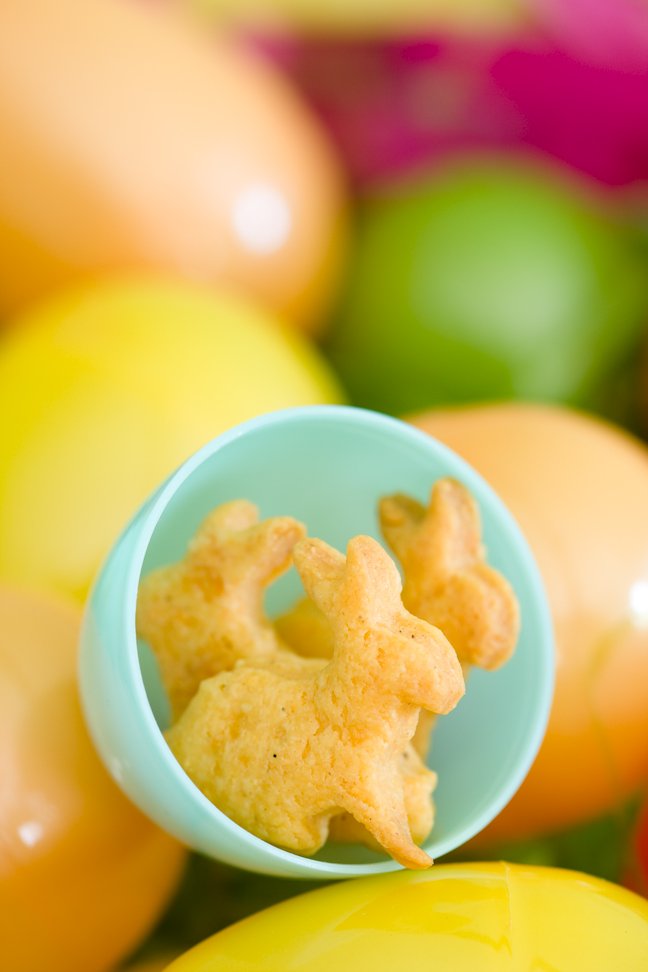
83, 875
579, 490
131, 140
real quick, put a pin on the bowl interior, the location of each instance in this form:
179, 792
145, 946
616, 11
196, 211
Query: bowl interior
328, 467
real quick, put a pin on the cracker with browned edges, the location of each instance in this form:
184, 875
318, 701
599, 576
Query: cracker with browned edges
204, 614
448, 583
282, 756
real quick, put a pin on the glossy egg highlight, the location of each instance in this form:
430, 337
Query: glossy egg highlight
461, 917
132, 140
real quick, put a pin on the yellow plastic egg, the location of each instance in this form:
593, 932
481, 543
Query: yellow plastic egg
106, 390
578, 487
132, 140
83, 875
453, 918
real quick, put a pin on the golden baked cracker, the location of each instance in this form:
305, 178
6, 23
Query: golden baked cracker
447, 580
282, 756
202, 615
306, 630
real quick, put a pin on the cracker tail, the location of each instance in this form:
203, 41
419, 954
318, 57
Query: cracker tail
413, 858
386, 818
399, 844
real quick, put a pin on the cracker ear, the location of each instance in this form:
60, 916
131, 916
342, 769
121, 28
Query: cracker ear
453, 525
321, 569
399, 517
372, 585
228, 518
269, 546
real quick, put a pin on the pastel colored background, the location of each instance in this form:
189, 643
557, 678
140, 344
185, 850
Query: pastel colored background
211, 210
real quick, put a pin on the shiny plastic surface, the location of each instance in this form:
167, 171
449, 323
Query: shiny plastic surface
494, 277
327, 466
578, 489
455, 918
83, 875
132, 141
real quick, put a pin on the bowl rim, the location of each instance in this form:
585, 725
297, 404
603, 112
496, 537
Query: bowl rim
149, 516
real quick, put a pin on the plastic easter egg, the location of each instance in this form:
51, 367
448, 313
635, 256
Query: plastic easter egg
133, 141
108, 390
83, 875
494, 278
577, 488
460, 917
327, 465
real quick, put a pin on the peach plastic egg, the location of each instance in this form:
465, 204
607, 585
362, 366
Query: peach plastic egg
578, 487
131, 140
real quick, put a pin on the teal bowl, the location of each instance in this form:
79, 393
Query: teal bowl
326, 466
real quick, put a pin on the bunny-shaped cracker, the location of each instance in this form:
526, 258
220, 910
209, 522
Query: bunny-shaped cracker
282, 756
447, 579
205, 613
449, 584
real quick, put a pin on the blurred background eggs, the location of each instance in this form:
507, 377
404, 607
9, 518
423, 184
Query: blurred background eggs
452, 197
578, 489
494, 277
83, 875
135, 141
109, 388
